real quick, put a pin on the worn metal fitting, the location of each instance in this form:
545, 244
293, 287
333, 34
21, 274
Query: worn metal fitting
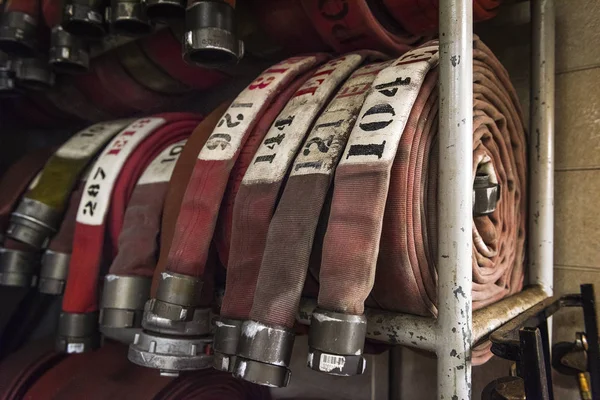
18, 268
210, 39
54, 272
336, 343
68, 53
179, 289
122, 306
227, 335
84, 18
264, 353
170, 354
128, 17
77, 333
33, 222
485, 195
34, 74
173, 319
505, 388
7, 77
165, 10
18, 34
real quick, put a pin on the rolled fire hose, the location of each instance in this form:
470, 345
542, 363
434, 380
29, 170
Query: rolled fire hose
164, 50
147, 73
19, 28
110, 88
40, 211
84, 18
421, 16
56, 258
223, 229
128, 17
175, 326
254, 206
210, 38
18, 267
349, 25
401, 114
127, 285
109, 185
289, 242
178, 183
67, 53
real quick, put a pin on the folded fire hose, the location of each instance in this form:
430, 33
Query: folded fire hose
175, 327
110, 185
127, 285
257, 196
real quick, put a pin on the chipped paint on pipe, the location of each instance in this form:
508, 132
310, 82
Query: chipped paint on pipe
541, 146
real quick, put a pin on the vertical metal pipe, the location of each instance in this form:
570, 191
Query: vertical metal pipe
541, 145
455, 199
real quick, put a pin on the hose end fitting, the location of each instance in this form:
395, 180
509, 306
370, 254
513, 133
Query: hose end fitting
77, 333
335, 343
34, 74
33, 222
128, 17
122, 306
8, 86
18, 268
210, 39
165, 10
485, 195
68, 53
18, 34
227, 334
84, 19
264, 354
54, 272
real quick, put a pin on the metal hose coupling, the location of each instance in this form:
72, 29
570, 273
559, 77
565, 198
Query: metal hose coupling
335, 343
32, 223
176, 329
34, 74
18, 34
485, 195
129, 18
210, 39
68, 53
18, 268
122, 306
54, 272
77, 333
227, 334
8, 86
264, 354
84, 18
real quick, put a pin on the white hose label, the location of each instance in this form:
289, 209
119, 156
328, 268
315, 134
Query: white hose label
324, 145
87, 142
161, 168
383, 116
228, 135
278, 149
329, 362
98, 189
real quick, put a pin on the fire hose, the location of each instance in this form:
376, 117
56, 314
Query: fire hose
127, 285
176, 327
107, 191
257, 196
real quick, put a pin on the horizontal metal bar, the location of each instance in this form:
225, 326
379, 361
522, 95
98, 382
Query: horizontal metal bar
420, 332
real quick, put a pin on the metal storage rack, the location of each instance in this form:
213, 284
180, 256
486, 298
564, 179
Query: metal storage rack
457, 329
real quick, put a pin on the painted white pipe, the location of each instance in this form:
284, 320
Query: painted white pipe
541, 146
455, 190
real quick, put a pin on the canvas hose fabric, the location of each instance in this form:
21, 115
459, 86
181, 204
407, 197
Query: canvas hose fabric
100, 217
127, 284
175, 318
259, 190
289, 241
40, 212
